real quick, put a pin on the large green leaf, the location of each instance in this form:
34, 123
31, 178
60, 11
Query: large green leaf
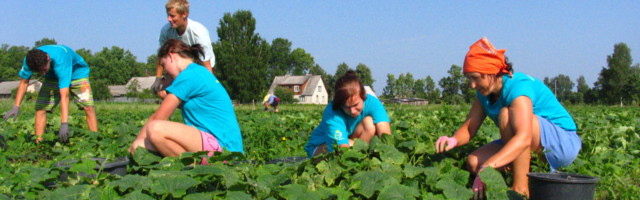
411, 171
298, 192
86, 166
238, 195
372, 181
145, 157
496, 188
453, 190
398, 191
336, 192
175, 185
138, 195
73, 192
329, 172
135, 182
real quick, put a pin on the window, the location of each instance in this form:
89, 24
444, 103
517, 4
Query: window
319, 88
296, 88
301, 98
317, 99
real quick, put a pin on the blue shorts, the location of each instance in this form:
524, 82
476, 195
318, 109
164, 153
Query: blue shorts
560, 147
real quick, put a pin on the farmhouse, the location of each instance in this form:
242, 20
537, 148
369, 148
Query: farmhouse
142, 83
308, 89
7, 86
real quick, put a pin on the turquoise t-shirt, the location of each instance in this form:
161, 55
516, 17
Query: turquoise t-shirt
206, 105
336, 126
66, 65
545, 104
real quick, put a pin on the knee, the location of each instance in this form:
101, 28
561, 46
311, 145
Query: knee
154, 131
473, 163
89, 109
367, 124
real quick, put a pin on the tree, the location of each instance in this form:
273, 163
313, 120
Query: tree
241, 57
365, 75
301, 62
389, 91
419, 88
404, 85
113, 65
634, 84
614, 80
100, 89
45, 41
451, 85
11, 58
433, 93
582, 90
285, 95
561, 86
341, 70
279, 58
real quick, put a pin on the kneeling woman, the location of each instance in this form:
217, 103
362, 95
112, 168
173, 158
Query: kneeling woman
352, 114
528, 115
210, 122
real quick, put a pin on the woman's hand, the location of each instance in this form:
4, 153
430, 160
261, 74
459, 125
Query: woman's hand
445, 143
137, 143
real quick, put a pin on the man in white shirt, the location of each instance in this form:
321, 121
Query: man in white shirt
189, 31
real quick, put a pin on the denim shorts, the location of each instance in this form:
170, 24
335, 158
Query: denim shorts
560, 147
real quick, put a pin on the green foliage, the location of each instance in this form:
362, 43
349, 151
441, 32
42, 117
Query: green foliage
285, 95
615, 80
11, 61
403, 165
100, 89
241, 57
45, 41
115, 66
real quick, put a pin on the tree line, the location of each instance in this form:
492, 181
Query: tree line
618, 83
246, 65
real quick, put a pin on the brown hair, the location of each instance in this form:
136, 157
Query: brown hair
194, 52
181, 6
347, 86
36, 60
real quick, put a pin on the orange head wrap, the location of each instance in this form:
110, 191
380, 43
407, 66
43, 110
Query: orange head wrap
484, 58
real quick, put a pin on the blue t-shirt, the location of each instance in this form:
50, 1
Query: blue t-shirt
66, 65
206, 105
545, 104
336, 126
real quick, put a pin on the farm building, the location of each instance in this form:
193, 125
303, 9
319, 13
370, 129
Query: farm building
7, 86
409, 101
308, 89
143, 83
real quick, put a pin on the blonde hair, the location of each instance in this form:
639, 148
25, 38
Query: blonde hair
181, 6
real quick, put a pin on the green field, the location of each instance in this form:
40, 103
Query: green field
402, 166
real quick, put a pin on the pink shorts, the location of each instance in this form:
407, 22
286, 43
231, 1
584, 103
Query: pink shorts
210, 144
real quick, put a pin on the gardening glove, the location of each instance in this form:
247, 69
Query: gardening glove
478, 186
445, 143
157, 84
13, 112
64, 132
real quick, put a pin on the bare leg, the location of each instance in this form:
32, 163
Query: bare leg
41, 123
365, 130
92, 121
172, 138
522, 163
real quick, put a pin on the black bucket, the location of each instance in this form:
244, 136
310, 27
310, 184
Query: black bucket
564, 186
117, 167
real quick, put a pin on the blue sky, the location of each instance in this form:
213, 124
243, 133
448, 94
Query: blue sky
542, 38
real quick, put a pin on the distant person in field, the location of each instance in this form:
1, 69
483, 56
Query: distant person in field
528, 115
66, 75
271, 101
210, 122
186, 30
351, 114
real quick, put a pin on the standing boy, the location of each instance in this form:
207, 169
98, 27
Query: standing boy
66, 74
188, 31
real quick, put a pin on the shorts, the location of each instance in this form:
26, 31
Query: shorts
79, 91
210, 144
560, 147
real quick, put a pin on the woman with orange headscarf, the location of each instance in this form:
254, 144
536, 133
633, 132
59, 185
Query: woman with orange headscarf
528, 115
